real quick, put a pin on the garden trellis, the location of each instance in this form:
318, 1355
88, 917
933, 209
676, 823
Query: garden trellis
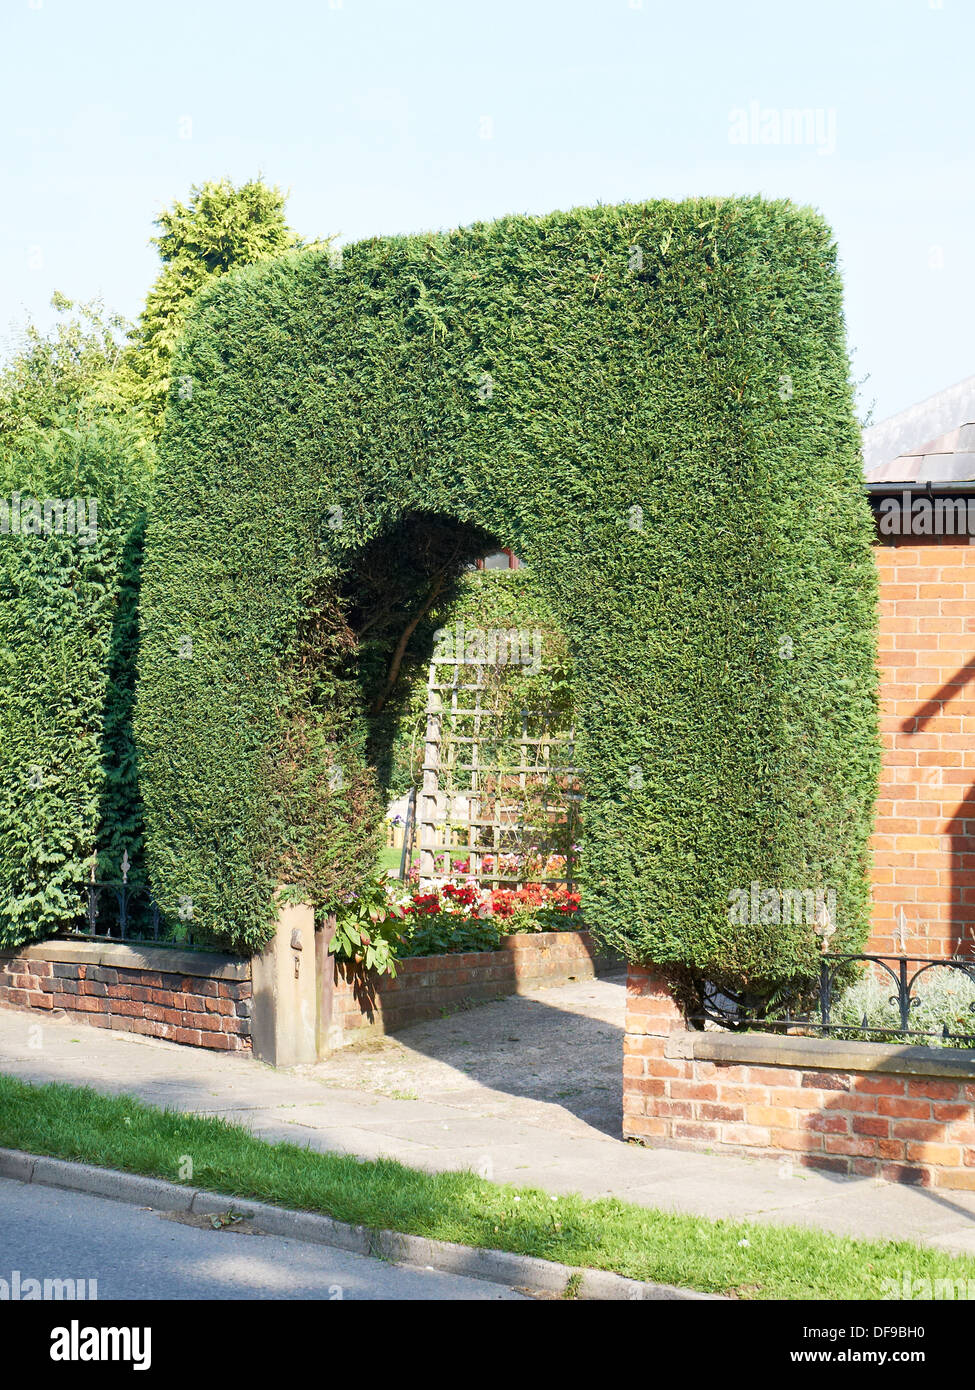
510, 819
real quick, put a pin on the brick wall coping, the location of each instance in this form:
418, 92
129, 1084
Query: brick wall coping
825, 1054
210, 964
523, 940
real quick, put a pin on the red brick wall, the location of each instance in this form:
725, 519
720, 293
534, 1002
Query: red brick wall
923, 846
900, 1127
183, 1008
427, 985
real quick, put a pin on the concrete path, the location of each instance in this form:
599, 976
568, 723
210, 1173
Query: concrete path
131, 1252
526, 1091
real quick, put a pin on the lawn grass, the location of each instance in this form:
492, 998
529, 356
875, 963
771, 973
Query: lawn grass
740, 1258
389, 860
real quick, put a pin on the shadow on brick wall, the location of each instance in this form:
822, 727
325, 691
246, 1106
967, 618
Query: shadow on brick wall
959, 929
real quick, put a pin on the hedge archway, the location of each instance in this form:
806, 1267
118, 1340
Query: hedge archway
651, 405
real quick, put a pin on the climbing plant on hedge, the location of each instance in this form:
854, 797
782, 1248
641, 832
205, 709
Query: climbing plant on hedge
651, 405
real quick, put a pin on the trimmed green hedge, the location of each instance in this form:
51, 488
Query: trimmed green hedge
68, 633
651, 405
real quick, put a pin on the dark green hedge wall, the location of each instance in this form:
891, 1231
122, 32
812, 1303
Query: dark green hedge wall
651, 405
68, 632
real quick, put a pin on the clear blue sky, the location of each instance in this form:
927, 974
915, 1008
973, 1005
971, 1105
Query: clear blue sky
386, 116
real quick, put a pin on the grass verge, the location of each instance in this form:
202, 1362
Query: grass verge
731, 1257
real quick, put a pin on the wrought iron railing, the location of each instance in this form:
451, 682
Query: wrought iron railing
812, 1008
117, 910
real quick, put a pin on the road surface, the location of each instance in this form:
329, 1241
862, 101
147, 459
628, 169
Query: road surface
133, 1252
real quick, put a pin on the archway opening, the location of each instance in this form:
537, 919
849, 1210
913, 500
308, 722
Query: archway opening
465, 679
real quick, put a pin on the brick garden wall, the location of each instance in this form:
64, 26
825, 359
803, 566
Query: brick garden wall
861, 1109
197, 998
425, 986
845, 1107
205, 1000
923, 846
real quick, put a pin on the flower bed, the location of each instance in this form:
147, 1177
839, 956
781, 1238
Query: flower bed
465, 917
389, 922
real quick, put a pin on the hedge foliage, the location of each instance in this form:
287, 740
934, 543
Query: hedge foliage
651, 405
68, 633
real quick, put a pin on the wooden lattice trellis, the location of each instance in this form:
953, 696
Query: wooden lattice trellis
506, 797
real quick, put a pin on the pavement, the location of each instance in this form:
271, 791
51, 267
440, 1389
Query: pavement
526, 1090
133, 1252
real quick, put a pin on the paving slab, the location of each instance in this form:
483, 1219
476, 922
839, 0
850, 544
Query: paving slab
525, 1090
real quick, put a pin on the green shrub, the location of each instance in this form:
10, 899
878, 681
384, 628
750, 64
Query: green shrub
68, 635
651, 405
444, 933
368, 929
